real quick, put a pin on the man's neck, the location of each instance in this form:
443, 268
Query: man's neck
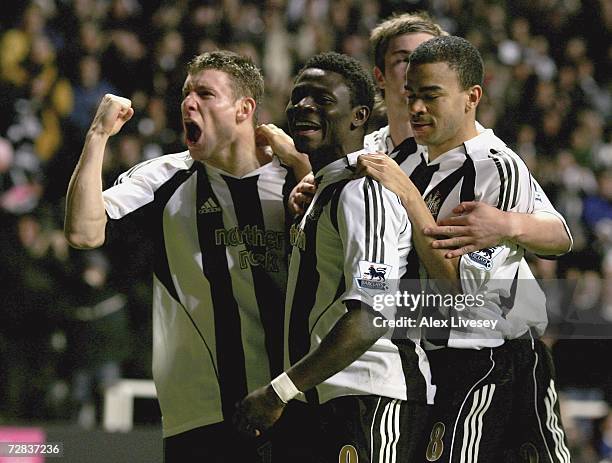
329, 154
399, 130
238, 159
433, 152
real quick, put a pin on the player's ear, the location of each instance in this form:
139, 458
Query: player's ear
474, 93
245, 108
360, 116
379, 77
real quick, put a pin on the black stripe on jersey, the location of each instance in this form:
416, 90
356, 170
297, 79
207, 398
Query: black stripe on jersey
507, 303
306, 290
366, 201
421, 176
507, 183
468, 186
516, 181
381, 237
404, 149
270, 298
229, 348
131, 171
438, 194
374, 228
502, 179
416, 387
288, 186
510, 174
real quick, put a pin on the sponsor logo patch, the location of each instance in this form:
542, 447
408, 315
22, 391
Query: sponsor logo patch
484, 257
373, 276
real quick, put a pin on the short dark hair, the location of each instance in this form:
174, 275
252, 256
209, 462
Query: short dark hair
358, 81
247, 79
396, 25
460, 55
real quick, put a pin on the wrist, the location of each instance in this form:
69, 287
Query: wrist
273, 398
514, 231
409, 194
295, 158
97, 133
283, 388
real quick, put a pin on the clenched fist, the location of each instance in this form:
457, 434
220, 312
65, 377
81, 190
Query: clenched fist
112, 113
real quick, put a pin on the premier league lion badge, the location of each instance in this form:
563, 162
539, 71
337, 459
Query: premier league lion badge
373, 277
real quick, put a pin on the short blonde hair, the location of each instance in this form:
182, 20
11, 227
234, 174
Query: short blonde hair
407, 23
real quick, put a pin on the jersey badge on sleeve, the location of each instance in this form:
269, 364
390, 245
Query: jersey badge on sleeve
484, 257
372, 277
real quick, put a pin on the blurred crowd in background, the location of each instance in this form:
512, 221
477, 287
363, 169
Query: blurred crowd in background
75, 321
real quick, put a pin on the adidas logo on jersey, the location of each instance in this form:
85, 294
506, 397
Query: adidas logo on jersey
209, 206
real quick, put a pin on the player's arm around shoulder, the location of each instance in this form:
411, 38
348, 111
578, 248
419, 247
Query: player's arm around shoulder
505, 210
85, 219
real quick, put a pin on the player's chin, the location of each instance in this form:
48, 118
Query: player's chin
305, 144
198, 152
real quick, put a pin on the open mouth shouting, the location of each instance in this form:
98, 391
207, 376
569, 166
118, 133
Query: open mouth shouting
193, 132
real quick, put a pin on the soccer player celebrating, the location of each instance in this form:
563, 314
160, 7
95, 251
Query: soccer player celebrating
217, 219
354, 236
443, 83
474, 225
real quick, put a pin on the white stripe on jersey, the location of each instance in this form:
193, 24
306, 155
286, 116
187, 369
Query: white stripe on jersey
190, 361
358, 224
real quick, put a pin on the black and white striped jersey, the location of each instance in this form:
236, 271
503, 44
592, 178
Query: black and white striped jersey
482, 169
354, 238
219, 280
380, 140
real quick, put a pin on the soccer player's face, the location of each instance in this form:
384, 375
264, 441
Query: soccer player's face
393, 79
438, 106
319, 111
209, 110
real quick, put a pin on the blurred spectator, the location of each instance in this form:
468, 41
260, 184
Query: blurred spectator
97, 329
88, 91
548, 94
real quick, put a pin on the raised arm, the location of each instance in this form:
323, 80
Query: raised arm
85, 221
282, 145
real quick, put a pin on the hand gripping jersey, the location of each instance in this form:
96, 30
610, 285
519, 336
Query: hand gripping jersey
352, 241
219, 280
483, 169
380, 140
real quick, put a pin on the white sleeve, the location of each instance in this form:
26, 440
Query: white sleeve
375, 234
487, 277
504, 181
136, 187
542, 205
